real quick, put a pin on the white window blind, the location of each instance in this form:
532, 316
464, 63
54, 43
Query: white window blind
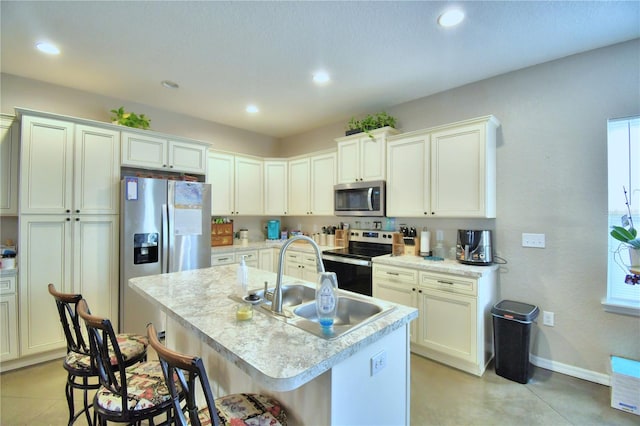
623, 148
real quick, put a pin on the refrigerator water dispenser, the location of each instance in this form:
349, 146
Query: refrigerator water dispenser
145, 248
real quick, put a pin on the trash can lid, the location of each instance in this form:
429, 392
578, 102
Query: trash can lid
515, 310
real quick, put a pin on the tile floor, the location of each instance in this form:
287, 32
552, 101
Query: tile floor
439, 396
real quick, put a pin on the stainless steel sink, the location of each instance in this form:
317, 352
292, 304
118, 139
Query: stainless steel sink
299, 310
292, 295
350, 311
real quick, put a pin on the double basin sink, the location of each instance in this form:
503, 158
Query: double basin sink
299, 309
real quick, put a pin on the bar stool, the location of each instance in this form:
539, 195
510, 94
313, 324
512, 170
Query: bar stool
127, 394
234, 409
77, 362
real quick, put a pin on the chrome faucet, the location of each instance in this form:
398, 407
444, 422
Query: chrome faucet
276, 304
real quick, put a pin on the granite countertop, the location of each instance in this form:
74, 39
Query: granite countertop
277, 355
446, 266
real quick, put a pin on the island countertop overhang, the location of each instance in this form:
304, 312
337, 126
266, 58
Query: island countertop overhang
278, 355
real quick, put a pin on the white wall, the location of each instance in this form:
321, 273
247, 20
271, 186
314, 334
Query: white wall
21, 92
552, 179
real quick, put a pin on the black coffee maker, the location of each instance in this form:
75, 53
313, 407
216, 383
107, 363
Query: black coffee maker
474, 247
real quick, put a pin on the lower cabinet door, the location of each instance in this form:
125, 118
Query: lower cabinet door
448, 323
8, 327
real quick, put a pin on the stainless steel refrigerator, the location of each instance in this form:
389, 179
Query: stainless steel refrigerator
165, 226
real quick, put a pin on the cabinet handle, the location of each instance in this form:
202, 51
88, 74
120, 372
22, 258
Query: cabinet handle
77, 211
223, 258
68, 219
164, 165
433, 213
393, 273
426, 213
77, 219
413, 289
419, 291
445, 282
68, 211
171, 166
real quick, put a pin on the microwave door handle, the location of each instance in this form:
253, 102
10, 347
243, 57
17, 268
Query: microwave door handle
370, 198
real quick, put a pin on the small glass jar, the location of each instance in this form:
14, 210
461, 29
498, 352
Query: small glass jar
244, 311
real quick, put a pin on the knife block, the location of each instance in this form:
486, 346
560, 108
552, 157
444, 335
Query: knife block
342, 238
400, 248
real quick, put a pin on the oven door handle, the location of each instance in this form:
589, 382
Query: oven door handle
348, 260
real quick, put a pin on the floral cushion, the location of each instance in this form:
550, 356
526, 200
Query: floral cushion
131, 345
145, 389
242, 409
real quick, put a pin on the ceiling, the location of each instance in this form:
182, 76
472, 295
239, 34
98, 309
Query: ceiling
226, 55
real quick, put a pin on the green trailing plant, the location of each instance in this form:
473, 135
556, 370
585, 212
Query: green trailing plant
626, 233
370, 122
130, 119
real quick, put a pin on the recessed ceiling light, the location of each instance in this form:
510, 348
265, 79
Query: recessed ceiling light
169, 84
451, 18
321, 77
252, 109
49, 48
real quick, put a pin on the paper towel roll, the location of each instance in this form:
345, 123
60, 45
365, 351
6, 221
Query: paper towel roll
424, 243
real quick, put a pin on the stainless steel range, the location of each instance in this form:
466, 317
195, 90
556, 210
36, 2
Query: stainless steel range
352, 265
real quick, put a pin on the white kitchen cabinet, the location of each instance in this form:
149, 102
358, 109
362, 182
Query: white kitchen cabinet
448, 171
235, 256
454, 323
9, 148
224, 258
8, 317
78, 254
398, 285
301, 265
463, 170
267, 259
408, 176
68, 168
236, 184
160, 153
362, 157
311, 181
275, 187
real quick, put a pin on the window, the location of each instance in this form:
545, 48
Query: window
623, 149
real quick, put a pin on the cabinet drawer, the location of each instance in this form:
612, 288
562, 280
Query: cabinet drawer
293, 257
7, 285
391, 273
249, 256
449, 283
222, 259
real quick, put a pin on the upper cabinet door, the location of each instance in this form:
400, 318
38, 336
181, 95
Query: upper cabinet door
187, 157
9, 148
275, 187
96, 170
408, 179
322, 179
249, 191
348, 161
299, 186
463, 170
372, 158
46, 166
220, 174
144, 151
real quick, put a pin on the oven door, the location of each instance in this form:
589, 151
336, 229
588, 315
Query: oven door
353, 274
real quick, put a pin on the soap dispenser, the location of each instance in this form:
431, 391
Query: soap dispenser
327, 298
243, 278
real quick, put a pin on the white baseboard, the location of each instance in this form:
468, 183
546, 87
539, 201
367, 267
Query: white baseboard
570, 370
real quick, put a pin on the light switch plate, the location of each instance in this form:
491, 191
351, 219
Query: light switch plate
533, 240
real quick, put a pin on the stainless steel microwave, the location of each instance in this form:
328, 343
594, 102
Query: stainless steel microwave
359, 198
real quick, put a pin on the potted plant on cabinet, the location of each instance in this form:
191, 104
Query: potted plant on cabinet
369, 123
130, 119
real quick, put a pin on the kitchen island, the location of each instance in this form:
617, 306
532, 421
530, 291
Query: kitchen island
319, 381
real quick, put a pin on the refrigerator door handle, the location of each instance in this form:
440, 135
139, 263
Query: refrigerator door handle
165, 238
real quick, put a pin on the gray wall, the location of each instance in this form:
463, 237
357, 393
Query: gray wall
552, 179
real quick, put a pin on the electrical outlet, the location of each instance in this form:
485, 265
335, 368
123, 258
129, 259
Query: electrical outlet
548, 318
378, 362
533, 240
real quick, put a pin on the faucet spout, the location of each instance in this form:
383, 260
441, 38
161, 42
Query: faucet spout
276, 304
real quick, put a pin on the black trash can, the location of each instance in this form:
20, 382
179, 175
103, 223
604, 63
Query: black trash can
511, 335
